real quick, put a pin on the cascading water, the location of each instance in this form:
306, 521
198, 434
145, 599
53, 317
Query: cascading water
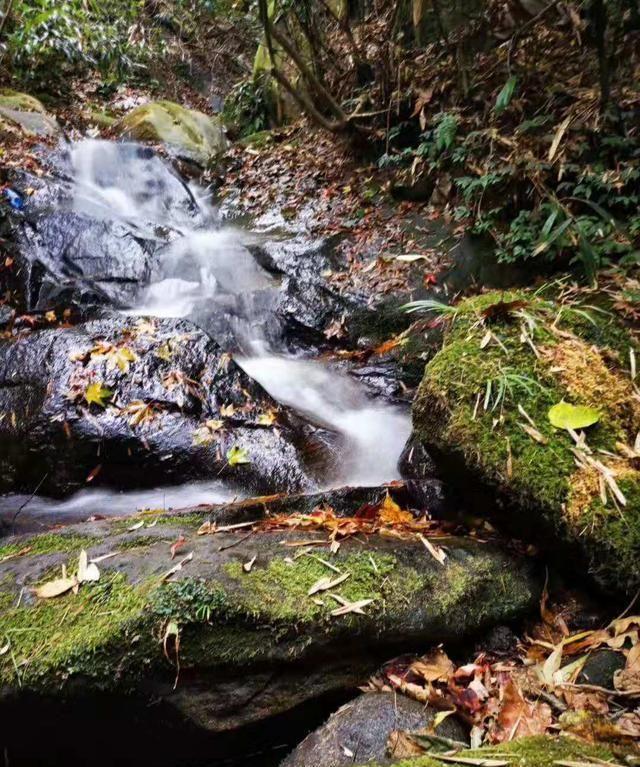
206, 272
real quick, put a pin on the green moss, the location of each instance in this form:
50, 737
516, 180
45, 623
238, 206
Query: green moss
279, 592
258, 140
49, 543
22, 102
535, 751
139, 542
471, 400
73, 634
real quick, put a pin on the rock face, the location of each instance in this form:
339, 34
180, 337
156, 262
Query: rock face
68, 248
187, 133
485, 399
142, 403
360, 730
253, 642
27, 113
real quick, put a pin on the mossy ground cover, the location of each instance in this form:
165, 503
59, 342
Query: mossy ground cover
496, 377
48, 543
535, 751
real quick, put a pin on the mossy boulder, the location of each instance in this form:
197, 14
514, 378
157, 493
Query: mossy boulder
27, 113
534, 751
253, 642
187, 133
484, 402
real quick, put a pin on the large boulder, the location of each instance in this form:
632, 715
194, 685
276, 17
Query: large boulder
253, 640
27, 113
187, 133
484, 403
361, 729
137, 403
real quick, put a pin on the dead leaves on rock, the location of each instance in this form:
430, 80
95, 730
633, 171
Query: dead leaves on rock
537, 689
87, 572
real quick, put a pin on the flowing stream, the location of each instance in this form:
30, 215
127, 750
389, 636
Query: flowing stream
205, 268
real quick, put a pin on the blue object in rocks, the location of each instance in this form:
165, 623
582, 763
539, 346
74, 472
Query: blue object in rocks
14, 199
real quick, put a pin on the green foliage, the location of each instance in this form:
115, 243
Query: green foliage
247, 106
505, 95
49, 37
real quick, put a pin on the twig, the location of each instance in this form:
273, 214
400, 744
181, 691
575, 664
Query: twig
29, 499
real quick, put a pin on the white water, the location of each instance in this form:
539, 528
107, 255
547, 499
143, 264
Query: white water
203, 267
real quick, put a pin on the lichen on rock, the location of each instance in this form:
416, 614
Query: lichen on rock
187, 133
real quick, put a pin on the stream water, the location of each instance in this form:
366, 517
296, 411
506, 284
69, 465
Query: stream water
205, 268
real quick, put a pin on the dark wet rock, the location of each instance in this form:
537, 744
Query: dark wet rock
415, 461
71, 252
499, 641
600, 668
175, 406
6, 316
359, 731
253, 642
306, 304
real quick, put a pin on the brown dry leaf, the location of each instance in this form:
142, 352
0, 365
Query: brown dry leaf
56, 587
177, 545
628, 679
436, 551
349, 607
176, 568
324, 584
519, 717
248, 565
400, 745
433, 667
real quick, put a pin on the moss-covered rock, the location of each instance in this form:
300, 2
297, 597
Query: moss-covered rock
535, 751
187, 133
484, 401
236, 623
27, 113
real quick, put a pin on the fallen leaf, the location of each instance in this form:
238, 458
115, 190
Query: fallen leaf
136, 526
326, 583
177, 545
176, 568
349, 607
55, 588
87, 571
97, 394
563, 415
248, 565
436, 551
237, 455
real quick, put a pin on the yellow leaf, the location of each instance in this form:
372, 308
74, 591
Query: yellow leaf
237, 455
561, 130
97, 394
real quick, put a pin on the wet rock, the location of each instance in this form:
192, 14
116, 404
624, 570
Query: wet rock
187, 133
600, 668
168, 406
253, 642
550, 497
415, 461
27, 113
66, 250
306, 304
360, 730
